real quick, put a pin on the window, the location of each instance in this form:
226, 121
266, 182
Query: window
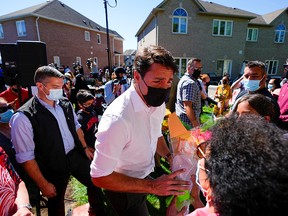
78, 60
182, 65
222, 27
56, 60
98, 38
252, 34
1, 32
280, 33
179, 21
87, 36
21, 28
224, 66
271, 66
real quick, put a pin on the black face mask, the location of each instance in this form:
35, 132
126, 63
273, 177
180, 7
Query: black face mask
155, 96
224, 82
15, 90
89, 109
196, 74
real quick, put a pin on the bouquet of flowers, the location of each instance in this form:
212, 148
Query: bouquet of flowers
184, 146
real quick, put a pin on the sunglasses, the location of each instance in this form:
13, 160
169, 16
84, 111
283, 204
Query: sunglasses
201, 149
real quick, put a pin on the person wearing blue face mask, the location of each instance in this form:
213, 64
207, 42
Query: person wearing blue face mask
50, 144
6, 113
254, 81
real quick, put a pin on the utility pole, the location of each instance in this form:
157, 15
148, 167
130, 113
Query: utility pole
108, 39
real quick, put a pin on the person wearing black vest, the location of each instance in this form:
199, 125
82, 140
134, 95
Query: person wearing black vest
50, 145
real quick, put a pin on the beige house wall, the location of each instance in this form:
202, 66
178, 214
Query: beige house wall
199, 41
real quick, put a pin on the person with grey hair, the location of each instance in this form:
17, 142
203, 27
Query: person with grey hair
50, 145
129, 134
188, 101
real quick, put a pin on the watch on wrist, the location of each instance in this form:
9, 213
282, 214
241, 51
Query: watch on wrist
27, 205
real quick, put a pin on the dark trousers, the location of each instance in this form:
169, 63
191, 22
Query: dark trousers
128, 203
79, 167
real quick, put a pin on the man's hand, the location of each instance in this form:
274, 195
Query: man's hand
167, 185
48, 190
89, 153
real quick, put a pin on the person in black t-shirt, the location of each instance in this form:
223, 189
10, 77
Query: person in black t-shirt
87, 117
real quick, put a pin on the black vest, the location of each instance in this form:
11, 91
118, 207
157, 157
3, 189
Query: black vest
49, 148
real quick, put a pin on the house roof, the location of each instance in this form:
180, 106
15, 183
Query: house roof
270, 17
214, 8
57, 11
211, 8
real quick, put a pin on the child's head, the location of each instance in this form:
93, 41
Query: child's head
85, 99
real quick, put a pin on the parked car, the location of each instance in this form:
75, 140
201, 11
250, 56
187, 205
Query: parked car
214, 78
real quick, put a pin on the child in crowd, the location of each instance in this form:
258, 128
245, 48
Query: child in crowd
99, 103
87, 116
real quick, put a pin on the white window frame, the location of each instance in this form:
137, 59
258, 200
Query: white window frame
78, 59
280, 34
271, 66
96, 60
87, 36
219, 29
181, 62
98, 38
1, 31
226, 66
56, 60
252, 34
21, 28
181, 21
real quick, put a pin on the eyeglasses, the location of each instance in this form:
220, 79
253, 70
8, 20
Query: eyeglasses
201, 149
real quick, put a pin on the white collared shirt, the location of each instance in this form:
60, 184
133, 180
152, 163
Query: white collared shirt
127, 137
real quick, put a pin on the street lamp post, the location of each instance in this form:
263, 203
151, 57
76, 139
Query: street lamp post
107, 35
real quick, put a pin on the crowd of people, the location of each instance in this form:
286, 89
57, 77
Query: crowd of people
107, 137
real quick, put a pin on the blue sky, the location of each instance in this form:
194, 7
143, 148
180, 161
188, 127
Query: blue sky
127, 17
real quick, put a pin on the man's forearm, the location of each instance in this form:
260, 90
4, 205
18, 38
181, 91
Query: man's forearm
122, 183
191, 115
32, 169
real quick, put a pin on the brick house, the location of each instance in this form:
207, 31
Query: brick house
69, 36
223, 37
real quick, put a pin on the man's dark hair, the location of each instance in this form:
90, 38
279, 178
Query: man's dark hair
84, 96
256, 63
45, 72
153, 54
248, 167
